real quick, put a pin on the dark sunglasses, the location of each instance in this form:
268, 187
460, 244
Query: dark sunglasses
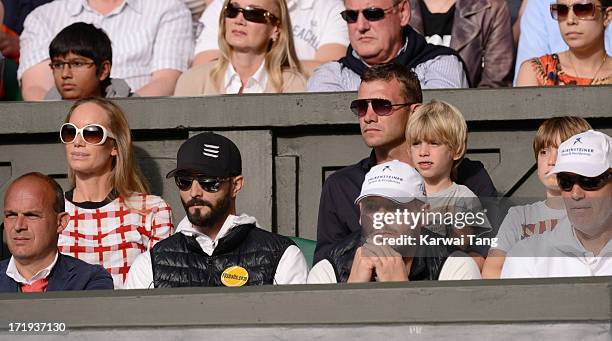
567, 181
256, 15
94, 134
582, 11
371, 14
210, 185
381, 106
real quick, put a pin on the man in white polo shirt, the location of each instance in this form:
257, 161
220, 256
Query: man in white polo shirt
390, 250
580, 244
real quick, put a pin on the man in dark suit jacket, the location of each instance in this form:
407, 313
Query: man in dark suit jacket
34, 217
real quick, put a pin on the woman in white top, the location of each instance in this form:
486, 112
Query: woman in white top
257, 53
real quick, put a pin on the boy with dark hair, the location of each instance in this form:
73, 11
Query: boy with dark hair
81, 61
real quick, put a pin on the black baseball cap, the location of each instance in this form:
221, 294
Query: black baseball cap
208, 154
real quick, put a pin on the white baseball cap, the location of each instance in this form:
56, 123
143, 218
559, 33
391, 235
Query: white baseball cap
393, 180
587, 154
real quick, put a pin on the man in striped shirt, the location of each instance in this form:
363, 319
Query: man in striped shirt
152, 42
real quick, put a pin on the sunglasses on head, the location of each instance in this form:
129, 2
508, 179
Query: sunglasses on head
567, 181
370, 13
253, 14
381, 106
582, 11
210, 185
94, 134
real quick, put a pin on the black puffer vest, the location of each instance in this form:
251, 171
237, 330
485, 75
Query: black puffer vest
426, 265
179, 261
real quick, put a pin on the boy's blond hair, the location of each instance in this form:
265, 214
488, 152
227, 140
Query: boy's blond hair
555, 128
442, 122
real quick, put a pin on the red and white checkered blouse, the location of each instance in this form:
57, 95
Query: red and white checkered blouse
113, 233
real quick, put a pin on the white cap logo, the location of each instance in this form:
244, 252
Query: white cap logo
211, 150
393, 180
587, 154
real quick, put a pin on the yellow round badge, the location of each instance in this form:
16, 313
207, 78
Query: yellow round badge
234, 276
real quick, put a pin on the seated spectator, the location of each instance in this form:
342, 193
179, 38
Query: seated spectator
34, 217
436, 134
318, 31
390, 187
543, 35
478, 29
257, 54
379, 33
580, 245
113, 219
152, 42
81, 62
387, 96
213, 246
524, 221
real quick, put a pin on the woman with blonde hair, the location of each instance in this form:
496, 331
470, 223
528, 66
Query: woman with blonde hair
113, 219
582, 26
257, 53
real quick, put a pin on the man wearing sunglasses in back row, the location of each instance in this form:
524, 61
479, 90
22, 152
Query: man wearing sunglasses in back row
213, 246
387, 95
580, 244
379, 33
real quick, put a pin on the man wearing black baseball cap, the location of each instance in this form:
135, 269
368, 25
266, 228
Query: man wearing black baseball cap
212, 245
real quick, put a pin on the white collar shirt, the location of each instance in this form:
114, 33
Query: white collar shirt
207, 244
12, 272
256, 84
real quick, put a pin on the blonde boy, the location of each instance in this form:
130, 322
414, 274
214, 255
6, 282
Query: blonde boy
521, 222
437, 136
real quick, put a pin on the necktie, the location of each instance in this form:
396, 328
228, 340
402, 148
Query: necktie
37, 286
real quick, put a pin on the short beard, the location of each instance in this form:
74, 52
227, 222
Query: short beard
206, 221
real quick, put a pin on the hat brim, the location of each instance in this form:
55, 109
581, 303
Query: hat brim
579, 168
397, 200
184, 171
